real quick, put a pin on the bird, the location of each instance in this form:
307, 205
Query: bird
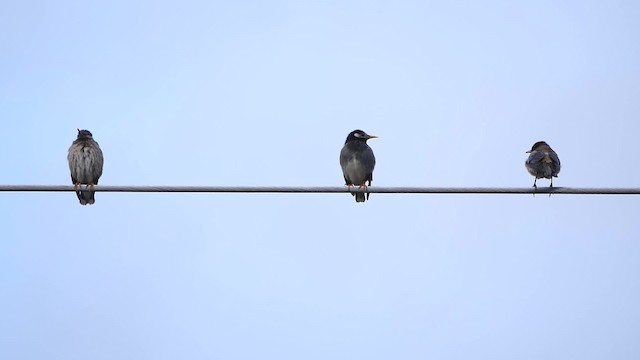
357, 162
542, 162
85, 164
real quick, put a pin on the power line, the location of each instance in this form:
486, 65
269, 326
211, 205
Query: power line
327, 189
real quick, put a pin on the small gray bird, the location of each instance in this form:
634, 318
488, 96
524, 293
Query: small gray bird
543, 162
85, 163
357, 162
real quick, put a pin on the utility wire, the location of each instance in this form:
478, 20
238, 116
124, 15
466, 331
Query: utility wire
328, 189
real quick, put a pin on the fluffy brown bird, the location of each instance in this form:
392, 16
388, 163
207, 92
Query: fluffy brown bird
543, 162
85, 163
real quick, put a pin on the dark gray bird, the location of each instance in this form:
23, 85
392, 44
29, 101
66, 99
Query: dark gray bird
357, 162
85, 163
543, 162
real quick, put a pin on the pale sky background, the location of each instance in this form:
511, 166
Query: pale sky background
265, 93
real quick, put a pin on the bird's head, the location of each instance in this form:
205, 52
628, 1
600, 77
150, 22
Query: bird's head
359, 135
540, 145
84, 134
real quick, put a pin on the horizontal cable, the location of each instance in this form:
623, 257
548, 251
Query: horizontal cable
332, 189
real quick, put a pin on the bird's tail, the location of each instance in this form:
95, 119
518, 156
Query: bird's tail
86, 197
361, 196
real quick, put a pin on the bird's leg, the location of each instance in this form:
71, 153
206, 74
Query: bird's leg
76, 186
535, 187
551, 186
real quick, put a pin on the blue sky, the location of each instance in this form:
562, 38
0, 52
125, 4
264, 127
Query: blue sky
264, 93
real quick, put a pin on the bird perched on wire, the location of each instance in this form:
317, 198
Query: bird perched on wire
85, 163
357, 162
543, 162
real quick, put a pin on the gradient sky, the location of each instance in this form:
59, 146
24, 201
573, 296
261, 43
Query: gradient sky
265, 93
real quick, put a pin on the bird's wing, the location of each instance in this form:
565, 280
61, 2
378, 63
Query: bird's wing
369, 161
344, 158
97, 170
70, 159
554, 157
535, 157
345, 155
556, 162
